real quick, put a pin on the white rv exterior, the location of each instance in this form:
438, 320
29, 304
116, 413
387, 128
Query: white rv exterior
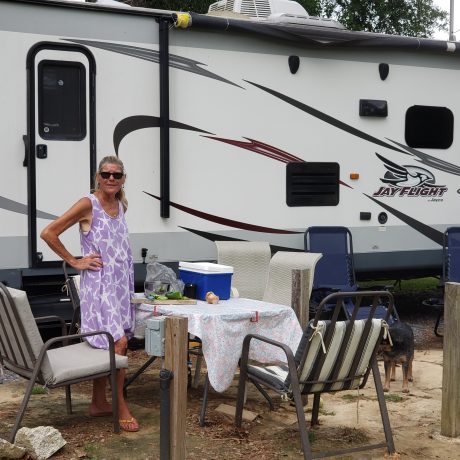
207, 146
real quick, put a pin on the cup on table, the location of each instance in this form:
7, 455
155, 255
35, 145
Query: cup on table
190, 290
155, 287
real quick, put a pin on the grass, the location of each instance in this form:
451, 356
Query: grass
39, 390
393, 398
412, 285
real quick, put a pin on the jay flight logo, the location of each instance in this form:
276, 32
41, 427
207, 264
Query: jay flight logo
408, 181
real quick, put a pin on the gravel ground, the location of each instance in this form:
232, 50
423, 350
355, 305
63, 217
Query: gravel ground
7, 376
422, 319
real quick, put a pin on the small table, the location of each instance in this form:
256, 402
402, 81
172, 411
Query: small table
223, 327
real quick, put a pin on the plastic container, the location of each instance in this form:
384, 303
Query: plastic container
207, 277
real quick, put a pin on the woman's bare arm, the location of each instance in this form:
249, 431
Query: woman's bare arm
80, 213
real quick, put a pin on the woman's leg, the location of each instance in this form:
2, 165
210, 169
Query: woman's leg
99, 405
127, 421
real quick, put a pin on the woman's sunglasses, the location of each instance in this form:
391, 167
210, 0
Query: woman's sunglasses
106, 175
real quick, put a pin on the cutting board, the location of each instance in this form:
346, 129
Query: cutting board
164, 302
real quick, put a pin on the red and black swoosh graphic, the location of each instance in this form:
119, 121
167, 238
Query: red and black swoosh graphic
266, 150
225, 221
136, 122
214, 237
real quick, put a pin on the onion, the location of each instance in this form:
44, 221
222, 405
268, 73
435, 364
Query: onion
212, 298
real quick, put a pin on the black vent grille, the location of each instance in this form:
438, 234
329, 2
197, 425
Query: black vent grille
312, 184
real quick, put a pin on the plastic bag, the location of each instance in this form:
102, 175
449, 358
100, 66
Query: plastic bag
162, 278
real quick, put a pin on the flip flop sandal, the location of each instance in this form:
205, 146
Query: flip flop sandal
125, 424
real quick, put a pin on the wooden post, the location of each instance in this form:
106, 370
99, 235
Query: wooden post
450, 408
300, 295
176, 343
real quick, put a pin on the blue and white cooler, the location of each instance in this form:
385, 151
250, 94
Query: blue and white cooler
207, 277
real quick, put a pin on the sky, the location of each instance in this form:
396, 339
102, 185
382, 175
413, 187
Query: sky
445, 5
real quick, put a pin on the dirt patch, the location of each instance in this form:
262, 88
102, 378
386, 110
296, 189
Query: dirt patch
347, 418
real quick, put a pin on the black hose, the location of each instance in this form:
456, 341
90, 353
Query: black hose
165, 379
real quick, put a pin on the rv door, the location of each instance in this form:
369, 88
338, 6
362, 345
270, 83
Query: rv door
61, 156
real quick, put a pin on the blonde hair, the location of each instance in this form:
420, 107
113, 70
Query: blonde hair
113, 160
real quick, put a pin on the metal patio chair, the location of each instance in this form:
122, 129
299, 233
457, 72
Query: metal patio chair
332, 356
336, 268
54, 363
250, 261
280, 289
281, 282
335, 271
72, 287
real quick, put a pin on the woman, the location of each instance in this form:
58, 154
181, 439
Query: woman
107, 277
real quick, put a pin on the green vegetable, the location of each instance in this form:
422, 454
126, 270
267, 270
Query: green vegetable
175, 295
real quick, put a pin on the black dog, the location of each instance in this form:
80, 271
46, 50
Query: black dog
401, 352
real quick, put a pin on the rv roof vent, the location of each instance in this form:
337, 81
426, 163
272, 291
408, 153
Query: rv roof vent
310, 20
260, 9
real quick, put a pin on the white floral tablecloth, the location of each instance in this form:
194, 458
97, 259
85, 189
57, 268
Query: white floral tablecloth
223, 327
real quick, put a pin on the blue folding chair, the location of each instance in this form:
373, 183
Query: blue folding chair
335, 271
450, 271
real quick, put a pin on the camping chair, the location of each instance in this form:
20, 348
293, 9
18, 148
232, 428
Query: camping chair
290, 278
336, 269
331, 356
335, 272
72, 287
250, 261
283, 288
23, 352
450, 272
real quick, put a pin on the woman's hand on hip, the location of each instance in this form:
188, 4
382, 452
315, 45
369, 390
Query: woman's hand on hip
89, 262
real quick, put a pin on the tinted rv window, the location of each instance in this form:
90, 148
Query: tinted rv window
312, 184
429, 127
61, 100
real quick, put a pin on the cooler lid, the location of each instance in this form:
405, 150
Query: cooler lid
205, 267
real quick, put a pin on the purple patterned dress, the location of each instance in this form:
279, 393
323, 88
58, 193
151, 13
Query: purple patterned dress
105, 295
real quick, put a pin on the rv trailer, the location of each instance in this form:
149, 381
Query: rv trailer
250, 124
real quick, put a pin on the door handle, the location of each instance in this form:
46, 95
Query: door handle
42, 151
25, 139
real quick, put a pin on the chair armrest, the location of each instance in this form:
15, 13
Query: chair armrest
287, 350
53, 318
67, 338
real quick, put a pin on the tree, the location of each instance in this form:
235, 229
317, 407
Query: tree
418, 18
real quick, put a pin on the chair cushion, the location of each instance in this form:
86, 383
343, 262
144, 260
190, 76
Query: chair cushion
310, 365
80, 360
275, 376
32, 335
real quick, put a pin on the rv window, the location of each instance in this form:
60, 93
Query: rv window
429, 127
61, 100
312, 184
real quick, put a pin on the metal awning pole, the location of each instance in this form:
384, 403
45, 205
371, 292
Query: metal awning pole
164, 117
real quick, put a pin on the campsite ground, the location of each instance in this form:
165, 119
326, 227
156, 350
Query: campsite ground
346, 418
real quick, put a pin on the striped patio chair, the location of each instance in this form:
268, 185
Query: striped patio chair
332, 356
55, 363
